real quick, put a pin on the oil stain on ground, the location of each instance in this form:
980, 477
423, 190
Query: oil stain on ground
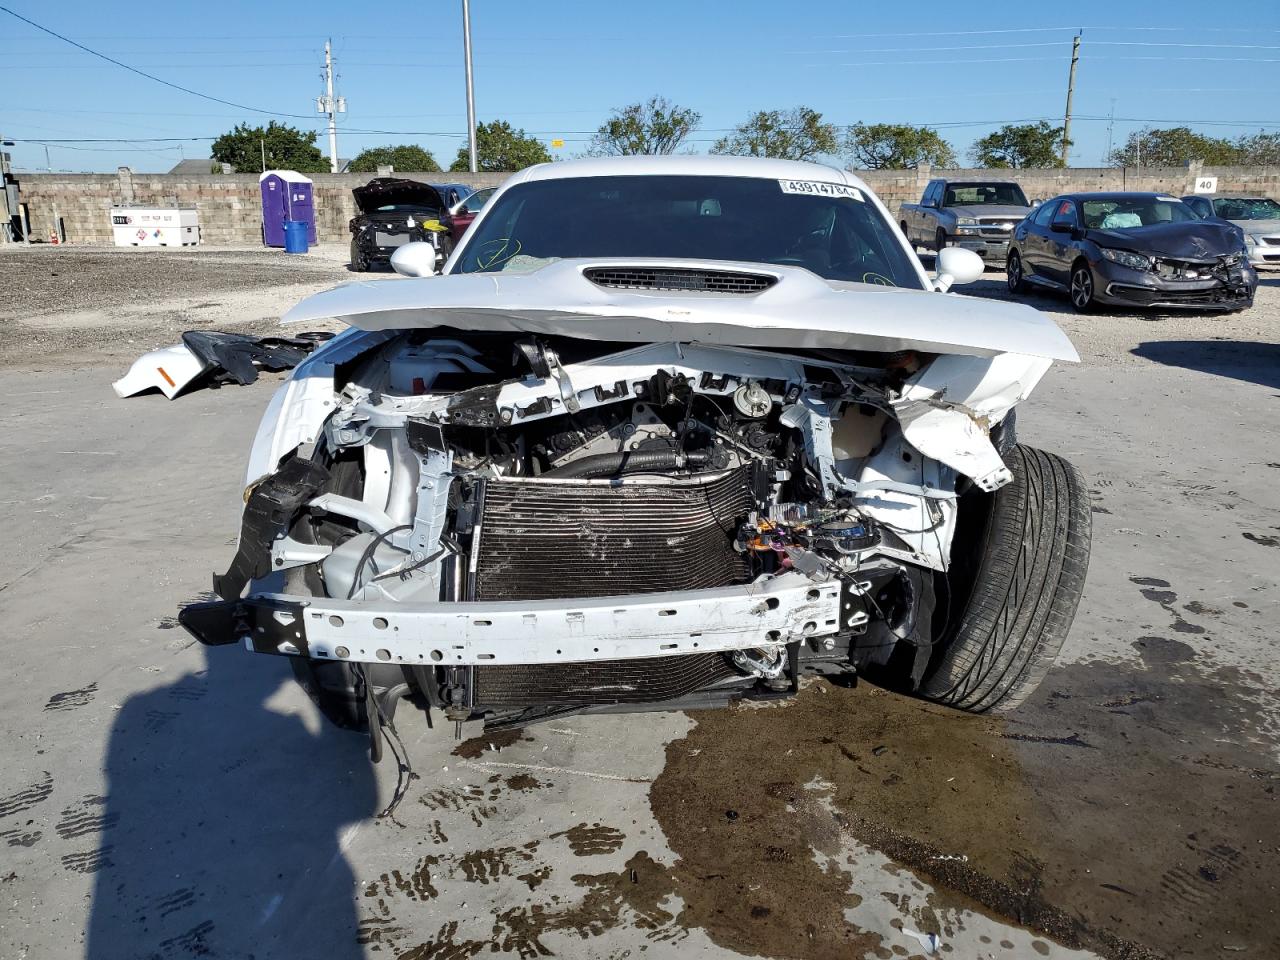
1158, 841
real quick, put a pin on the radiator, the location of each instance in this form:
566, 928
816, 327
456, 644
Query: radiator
548, 540
650, 680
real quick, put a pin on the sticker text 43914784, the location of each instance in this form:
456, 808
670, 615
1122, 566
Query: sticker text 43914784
820, 188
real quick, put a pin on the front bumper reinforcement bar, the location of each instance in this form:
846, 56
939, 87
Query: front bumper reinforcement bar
772, 611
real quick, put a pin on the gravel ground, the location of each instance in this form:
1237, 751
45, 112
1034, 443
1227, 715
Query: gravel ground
71, 306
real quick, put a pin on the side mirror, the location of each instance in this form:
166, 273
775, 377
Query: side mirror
957, 265
1036, 202
417, 259
930, 203
1061, 226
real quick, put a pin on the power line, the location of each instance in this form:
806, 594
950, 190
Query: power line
141, 73
980, 46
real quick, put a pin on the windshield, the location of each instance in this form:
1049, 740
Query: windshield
838, 237
978, 194
1126, 213
1246, 208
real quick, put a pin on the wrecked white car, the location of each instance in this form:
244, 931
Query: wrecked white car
667, 433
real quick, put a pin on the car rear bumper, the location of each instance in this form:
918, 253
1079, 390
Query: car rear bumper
770, 612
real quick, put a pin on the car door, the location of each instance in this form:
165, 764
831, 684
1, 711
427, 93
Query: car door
1032, 237
927, 226
1060, 248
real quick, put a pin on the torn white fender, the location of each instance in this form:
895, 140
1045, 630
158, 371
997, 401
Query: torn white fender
169, 370
948, 408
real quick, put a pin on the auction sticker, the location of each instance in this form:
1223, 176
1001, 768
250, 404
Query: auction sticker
820, 188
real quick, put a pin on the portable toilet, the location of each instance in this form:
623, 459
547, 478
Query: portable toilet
286, 195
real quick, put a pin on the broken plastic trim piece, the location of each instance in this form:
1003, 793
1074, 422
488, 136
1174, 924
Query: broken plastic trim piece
169, 370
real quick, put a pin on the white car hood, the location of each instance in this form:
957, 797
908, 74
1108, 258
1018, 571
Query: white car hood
801, 310
1258, 228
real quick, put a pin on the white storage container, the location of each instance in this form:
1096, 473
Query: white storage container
155, 226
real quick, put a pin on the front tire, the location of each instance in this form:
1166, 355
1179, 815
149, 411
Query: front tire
1082, 293
939, 240
359, 263
1015, 593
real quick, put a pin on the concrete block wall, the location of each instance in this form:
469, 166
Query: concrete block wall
231, 208
230, 205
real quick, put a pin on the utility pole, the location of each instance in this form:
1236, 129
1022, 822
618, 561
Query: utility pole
1111, 125
57, 221
1071, 89
471, 93
7, 233
331, 105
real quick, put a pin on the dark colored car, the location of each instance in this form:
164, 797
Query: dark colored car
1131, 249
393, 212
453, 193
462, 213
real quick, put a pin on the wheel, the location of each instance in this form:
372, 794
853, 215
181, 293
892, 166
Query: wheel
1082, 296
905, 232
939, 240
359, 263
1017, 575
1013, 273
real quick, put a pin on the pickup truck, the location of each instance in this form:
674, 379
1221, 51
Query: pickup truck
978, 215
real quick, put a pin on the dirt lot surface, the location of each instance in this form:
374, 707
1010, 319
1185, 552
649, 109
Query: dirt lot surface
162, 800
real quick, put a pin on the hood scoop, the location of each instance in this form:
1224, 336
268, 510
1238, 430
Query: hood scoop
687, 279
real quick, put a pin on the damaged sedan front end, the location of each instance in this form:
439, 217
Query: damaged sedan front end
632, 483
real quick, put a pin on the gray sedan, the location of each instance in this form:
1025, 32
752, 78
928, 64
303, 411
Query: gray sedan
1131, 249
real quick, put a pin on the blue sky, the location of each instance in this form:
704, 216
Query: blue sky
557, 67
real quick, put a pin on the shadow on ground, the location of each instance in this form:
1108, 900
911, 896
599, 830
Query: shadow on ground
222, 823
1251, 361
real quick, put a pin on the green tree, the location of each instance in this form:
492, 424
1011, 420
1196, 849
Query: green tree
403, 158
1262, 149
657, 126
1173, 147
896, 146
796, 134
1035, 145
286, 148
501, 148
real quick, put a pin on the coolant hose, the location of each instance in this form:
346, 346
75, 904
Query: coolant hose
612, 464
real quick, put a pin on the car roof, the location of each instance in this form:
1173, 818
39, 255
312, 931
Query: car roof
687, 165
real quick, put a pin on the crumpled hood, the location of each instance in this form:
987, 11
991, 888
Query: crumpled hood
381, 191
800, 310
980, 210
1201, 240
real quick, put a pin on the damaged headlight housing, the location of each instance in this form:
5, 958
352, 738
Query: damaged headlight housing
1134, 261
